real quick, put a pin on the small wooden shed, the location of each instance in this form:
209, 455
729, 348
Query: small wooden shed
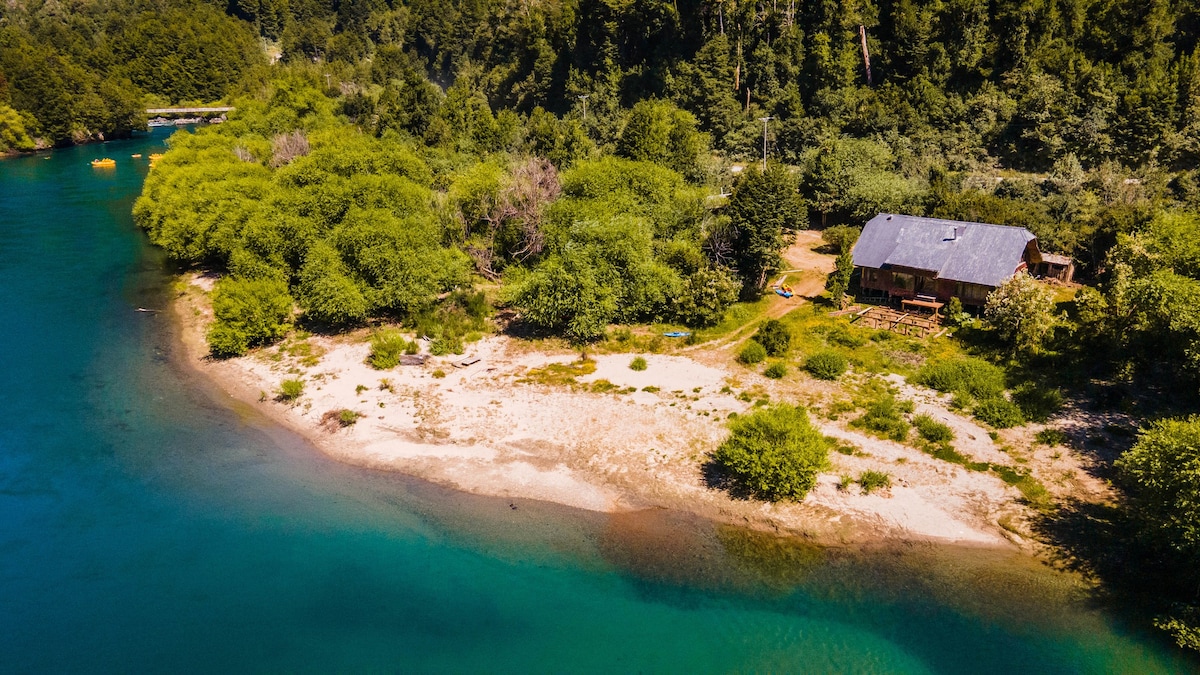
1054, 266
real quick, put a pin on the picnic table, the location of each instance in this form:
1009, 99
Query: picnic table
921, 303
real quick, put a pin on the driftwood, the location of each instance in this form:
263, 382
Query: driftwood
413, 359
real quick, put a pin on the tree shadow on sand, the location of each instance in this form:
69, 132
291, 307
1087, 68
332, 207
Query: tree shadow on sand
717, 477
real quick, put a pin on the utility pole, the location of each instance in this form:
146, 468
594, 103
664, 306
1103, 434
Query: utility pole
584, 98
764, 120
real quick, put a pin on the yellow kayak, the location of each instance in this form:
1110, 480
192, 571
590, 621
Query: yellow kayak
105, 163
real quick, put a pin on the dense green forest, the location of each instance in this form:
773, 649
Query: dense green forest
592, 162
72, 72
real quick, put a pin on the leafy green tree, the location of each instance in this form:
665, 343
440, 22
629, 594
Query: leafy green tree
563, 294
707, 87
13, 132
705, 296
657, 131
1163, 470
841, 238
851, 180
955, 315
839, 279
398, 263
764, 213
1021, 310
774, 452
248, 313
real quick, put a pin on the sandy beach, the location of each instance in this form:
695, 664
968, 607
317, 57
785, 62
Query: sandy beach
636, 440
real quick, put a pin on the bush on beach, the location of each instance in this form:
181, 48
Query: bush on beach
774, 452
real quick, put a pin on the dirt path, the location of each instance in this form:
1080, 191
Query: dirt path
805, 271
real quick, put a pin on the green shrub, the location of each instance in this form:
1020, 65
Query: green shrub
955, 315
884, 417
1037, 403
826, 365
999, 412
774, 337
752, 353
638, 363
248, 313
870, 481
965, 375
347, 417
290, 390
386, 347
1051, 437
776, 370
602, 387
932, 430
774, 452
438, 374
443, 345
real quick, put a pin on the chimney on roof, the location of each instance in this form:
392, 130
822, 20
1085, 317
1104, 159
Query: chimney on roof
955, 231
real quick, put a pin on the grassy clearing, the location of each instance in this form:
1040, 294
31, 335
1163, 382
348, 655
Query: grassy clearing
559, 374
866, 350
298, 347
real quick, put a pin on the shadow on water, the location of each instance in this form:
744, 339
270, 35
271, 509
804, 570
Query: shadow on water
1135, 577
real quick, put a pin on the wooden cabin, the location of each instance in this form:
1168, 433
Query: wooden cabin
927, 261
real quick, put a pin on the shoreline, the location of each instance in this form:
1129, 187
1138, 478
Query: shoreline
485, 431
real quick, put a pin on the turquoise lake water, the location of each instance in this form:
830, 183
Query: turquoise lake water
148, 526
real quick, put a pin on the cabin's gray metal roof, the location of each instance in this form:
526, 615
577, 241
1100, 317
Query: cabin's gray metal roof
976, 253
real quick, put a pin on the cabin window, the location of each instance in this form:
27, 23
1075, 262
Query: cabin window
902, 281
872, 275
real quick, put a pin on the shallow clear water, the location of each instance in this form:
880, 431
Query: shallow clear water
148, 525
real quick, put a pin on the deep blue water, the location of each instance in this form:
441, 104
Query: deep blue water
148, 526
